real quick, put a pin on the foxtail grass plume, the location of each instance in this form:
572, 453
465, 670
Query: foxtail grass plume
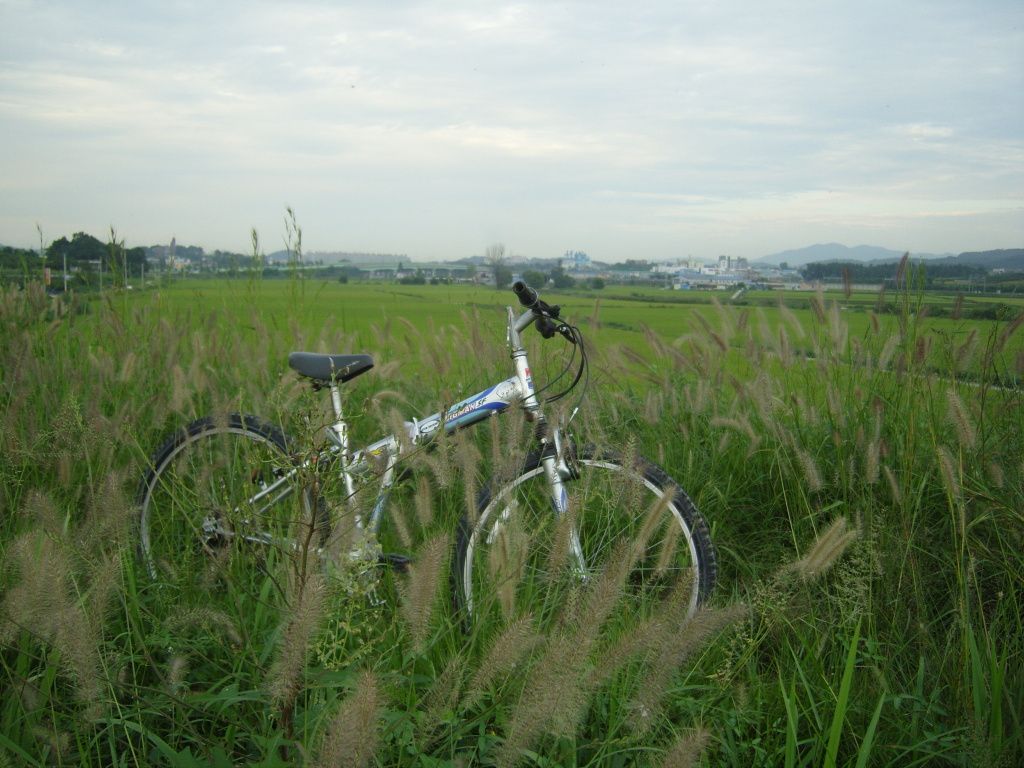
507, 558
506, 652
558, 691
687, 749
950, 470
901, 270
726, 316
420, 592
284, 679
424, 503
353, 733
468, 458
44, 602
964, 353
785, 348
810, 469
894, 486
825, 551
634, 357
871, 455
442, 696
177, 669
888, 350
654, 341
561, 541
652, 632
1008, 330
960, 419
654, 406
401, 525
790, 319
553, 701
817, 303
673, 647
995, 474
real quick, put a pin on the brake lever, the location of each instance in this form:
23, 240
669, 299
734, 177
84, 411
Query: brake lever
542, 309
548, 328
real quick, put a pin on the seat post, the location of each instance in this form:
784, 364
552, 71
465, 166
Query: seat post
340, 427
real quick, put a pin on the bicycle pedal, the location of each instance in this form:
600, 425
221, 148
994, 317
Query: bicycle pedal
399, 563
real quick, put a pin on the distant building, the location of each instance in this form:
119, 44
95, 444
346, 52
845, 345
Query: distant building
577, 259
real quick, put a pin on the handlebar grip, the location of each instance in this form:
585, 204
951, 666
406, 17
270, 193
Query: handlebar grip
527, 296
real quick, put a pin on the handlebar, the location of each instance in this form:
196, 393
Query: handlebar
545, 319
527, 296
545, 315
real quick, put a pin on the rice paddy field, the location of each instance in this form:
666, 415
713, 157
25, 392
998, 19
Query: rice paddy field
859, 460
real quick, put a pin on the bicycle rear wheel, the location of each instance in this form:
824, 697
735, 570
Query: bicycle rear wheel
518, 555
220, 501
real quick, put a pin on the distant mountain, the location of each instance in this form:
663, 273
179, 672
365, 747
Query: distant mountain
822, 254
337, 257
1007, 258
837, 252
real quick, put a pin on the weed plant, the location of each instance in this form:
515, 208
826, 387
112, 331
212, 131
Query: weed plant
866, 506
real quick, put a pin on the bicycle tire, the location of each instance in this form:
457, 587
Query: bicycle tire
194, 502
609, 501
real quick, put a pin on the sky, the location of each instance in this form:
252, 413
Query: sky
434, 129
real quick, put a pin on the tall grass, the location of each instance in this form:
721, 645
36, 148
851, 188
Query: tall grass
867, 512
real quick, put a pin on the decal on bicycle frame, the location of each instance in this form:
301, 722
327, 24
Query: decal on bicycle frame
473, 409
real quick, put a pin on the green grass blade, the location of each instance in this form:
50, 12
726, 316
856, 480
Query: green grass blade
844, 694
14, 749
792, 721
869, 738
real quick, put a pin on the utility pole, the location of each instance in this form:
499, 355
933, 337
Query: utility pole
42, 256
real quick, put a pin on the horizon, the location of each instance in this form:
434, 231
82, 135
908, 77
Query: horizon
893, 253
438, 127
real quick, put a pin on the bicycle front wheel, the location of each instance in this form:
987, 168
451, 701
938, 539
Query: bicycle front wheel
220, 500
518, 555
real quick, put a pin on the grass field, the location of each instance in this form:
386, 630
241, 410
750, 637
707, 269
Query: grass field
861, 468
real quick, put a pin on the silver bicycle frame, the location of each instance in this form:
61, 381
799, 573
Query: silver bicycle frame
465, 413
420, 432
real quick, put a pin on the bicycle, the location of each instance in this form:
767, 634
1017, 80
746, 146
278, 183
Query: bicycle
223, 482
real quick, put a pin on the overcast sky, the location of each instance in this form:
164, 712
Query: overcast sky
433, 129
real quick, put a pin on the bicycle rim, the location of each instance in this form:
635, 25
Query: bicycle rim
519, 556
205, 510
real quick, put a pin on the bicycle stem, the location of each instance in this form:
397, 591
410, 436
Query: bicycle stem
519, 361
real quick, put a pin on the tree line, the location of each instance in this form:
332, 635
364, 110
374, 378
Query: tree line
856, 272
83, 255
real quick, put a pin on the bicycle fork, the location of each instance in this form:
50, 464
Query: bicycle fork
558, 471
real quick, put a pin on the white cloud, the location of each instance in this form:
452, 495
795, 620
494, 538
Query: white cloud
423, 126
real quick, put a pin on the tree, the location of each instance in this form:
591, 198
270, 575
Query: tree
535, 278
81, 247
417, 278
560, 279
496, 257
